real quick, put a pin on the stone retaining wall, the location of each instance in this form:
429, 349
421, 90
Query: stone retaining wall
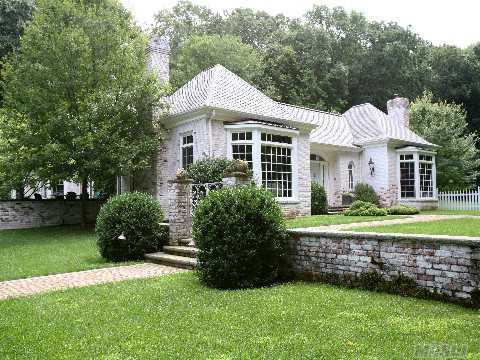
39, 213
448, 264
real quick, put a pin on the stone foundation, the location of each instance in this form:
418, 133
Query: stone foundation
18, 214
450, 265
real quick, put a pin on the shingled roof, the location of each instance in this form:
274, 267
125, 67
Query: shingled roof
219, 88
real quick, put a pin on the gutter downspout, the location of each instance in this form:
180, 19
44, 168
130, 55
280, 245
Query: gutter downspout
210, 135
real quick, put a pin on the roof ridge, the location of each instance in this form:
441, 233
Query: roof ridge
307, 108
214, 80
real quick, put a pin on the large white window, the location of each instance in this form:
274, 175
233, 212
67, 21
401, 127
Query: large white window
270, 152
242, 147
277, 164
416, 178
187, 150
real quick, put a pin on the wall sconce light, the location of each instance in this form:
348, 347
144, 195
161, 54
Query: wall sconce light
371, 165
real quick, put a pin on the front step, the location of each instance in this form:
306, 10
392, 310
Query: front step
186, 242
187, 251
172, 260
336, 210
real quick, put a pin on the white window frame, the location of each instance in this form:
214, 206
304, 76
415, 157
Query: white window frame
257, 143
351, 171
416, 152
182, 146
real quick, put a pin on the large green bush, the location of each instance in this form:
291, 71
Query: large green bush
366, 193
208, 170
241, 235
135, 215
319, 199
363, 208
402, 209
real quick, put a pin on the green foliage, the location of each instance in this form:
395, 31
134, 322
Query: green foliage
402, 209
210, 50
319, 199
137, 217
78, 95
363, 208
241, 235
208, 170
365, 192
458, 160
14, 15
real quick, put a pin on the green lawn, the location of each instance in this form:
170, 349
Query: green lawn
43, 251
321, 220
176, 317
462, 227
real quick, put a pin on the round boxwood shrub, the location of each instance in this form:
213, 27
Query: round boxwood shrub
363, 208
319, 199
402, 209
241, 235
366, 193
137, 217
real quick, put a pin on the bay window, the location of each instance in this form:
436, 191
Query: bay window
270, 153
417, 179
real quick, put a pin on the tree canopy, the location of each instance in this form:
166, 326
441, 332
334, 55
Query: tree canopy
78, 96
445, 124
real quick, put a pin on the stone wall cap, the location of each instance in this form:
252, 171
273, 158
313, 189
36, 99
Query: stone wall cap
445, 239
180, 181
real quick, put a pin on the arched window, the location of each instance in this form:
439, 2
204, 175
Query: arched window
351, 166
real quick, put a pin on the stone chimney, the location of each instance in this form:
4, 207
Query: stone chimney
159, 57
397, 109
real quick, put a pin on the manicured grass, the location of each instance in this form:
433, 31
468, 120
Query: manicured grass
451, 212
461, 227
322, 220
43, 251
174, 317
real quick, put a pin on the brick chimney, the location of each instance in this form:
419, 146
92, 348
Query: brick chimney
397, 109
159, 57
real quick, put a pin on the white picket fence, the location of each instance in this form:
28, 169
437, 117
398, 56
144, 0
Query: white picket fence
459, 200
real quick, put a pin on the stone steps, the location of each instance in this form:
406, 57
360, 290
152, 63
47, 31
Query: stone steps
181, 256
172, 260
187, 251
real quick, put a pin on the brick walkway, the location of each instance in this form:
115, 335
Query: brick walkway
40, 284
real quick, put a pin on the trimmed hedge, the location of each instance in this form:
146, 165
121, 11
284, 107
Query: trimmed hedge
241, 235
402, 209
362, 208
319, 199
135, 215
366, 193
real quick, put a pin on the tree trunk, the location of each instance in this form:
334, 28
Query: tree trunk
84, 199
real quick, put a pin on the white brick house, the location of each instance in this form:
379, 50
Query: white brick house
218, 114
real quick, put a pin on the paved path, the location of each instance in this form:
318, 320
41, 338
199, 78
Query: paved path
407, 220
40, 284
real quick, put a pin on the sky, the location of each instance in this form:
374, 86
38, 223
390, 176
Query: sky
440, 21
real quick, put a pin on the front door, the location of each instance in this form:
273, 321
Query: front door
319, 172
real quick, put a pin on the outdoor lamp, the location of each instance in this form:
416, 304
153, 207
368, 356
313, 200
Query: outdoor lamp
122, 237
371, 165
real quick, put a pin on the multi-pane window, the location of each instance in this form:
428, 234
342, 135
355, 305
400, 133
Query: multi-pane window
242, 147
350, 175
276, 162
426, 176
187, 150
407, 176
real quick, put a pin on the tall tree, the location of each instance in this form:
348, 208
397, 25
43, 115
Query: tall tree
14, 14
78, 96
209, 50
445, 124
